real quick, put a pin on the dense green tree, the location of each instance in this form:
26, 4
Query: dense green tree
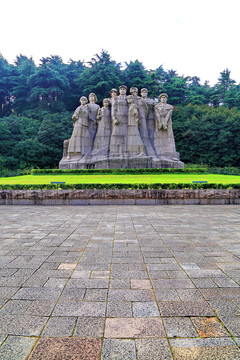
176, 88
71, 97
223, 85
207, 135
101, 75
135, 74
6, 83
48, 84
24, 68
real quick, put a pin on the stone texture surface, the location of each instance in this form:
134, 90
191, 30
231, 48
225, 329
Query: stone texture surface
67, 348
119, 282
119, 197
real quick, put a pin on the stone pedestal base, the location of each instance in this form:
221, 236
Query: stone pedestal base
101, 162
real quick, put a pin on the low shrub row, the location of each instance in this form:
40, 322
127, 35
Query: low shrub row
115, 171
172, 186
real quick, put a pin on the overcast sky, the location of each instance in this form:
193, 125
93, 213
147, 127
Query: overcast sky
193, 37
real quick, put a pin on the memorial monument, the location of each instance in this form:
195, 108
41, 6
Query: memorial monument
127, 132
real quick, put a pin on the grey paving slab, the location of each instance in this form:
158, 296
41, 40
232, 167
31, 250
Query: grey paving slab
193, 349
185, 308
145, 309
118, 349
74, 276
77, 308
153, 349
16, 347
117, 309
60, 327
89, 327
179, 327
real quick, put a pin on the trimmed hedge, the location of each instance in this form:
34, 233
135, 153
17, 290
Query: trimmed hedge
171, 186
115, 171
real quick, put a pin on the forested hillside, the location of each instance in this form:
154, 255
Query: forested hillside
37, 104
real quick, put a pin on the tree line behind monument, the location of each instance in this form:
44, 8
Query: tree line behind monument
37, 102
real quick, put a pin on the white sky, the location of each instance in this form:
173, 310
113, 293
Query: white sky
193, 37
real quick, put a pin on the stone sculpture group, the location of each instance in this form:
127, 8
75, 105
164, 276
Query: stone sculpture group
127, 132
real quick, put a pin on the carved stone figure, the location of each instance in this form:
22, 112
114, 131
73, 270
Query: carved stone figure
92, 110
150, 119
113, 93
163, 137
102, 139
135, 144
143, 113
80, 142
118, 143
134, 93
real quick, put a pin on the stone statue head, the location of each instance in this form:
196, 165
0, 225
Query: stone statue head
122, 89
163, 97
113, 92
134, 90
129, 99
83, 100
144, 92
106, 103
92, 98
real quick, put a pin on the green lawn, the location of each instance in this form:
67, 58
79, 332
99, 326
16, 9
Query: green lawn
124, 179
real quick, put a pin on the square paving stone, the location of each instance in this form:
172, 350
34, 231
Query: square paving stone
16, 348
89, 327
27, 325
67, 266
221, 294
173, 284
179, 327
153, 349
40, 308
119, 309
59, 327
224, 308
209, 327
140, 284
80, 308
16, 307
37, 294
81, 274
204, 283
185, 308
190, 295
120, 284
130, 295
73, 294
115, 349
205, 349
145, 309
95, 295
166, 295
134, 328
100, 274
56, 283
90, 283
67, 348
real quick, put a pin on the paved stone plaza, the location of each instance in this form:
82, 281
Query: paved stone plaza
118, 282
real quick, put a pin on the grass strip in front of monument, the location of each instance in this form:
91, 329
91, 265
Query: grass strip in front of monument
129, 181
